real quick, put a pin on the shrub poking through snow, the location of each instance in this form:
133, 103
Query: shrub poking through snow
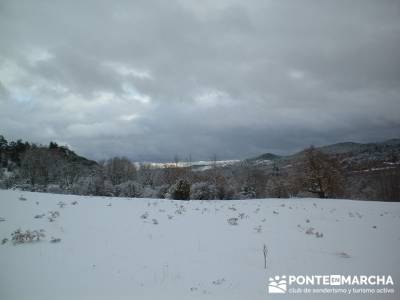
55, 240
53, 215
180, 210
20, 237
22, 198
233, 221
61, 204
310, 230
218, 281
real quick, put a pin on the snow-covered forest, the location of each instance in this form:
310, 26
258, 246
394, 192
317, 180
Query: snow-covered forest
369, 171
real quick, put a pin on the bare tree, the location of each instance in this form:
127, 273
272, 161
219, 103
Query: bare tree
176, 160
120, 169
322, 174
146, 175
389, 185
250, 180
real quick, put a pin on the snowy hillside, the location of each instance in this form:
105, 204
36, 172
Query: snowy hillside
200, 165
120, 248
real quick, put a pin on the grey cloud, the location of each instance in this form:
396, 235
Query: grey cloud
227, 77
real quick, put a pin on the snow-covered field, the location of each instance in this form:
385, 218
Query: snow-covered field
119, 248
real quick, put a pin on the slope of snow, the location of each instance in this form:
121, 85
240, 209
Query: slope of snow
188, 250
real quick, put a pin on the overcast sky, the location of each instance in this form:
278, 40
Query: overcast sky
151, 79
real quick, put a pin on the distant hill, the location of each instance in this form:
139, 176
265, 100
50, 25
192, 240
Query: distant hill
371, 170
356, 148
71, 157
383, 151
265, 156
24, 163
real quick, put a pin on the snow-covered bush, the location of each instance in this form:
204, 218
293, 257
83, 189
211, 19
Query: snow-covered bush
129, 189
149, 192
89, 185
180, 190
163, 191
203, 191
20, 237
109, 189
52, 215
54, 188
233, 221
247, 192
10, 179
83, 186
24, 187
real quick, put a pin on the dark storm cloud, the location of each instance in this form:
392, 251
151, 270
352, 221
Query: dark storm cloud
150, 79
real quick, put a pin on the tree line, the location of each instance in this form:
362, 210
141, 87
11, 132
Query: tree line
57, 169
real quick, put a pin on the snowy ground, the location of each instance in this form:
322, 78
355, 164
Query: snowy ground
119, 248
